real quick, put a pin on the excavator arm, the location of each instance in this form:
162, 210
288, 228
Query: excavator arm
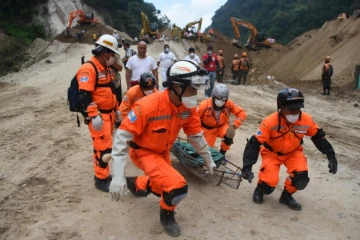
190, 24
146, 30
255, 41
83, 19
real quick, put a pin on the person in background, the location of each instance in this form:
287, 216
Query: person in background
165, 60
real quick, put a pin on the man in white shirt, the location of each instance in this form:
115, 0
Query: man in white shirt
193, 57
166, 59
138, 64
116, 35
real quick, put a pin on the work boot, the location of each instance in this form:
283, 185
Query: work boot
258, 197
131, 185
103, 184
168, 222
288, 200
223, 162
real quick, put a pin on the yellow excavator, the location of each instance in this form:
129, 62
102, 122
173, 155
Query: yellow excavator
194, 35
256, 40
176, 32
148, 30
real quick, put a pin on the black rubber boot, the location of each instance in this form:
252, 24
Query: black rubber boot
103, 184
131, 185
289, 201
167, 219
223, 153
258, 197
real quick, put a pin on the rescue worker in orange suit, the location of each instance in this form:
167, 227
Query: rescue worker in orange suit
214, 114
235, 68
244, 67
281, 135
151, 128
220, 71
327, 72
99, 105
146, 87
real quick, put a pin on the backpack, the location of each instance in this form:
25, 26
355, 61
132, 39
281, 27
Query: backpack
244, 63
73, 92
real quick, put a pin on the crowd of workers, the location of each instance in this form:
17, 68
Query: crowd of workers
144, 124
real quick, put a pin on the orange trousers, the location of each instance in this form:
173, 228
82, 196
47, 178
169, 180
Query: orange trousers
211, 134
159, 173
102, 143
270, 167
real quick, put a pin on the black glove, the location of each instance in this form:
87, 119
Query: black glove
332, 163
117, 124
209, 58
247, 174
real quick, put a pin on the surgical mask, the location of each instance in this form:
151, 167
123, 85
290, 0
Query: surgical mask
110, 61
209, 52
192, 55
167, 50
189, 102
219, 103
148, 92
292, 118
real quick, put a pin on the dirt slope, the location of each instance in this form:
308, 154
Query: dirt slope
47, 190
337, 38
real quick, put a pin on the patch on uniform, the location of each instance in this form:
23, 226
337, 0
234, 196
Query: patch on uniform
185, 116
138, 109
84, 79
259, 132
132, 117
263, 124
125, 98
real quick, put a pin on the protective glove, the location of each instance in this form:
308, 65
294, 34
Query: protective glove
209, 58
247, 174
332, 163
117, 119
118, 189
210, 165
97, 123
230, 132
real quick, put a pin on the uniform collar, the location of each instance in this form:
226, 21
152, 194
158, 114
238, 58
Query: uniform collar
98, 65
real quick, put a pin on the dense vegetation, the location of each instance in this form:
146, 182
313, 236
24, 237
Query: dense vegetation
280, 19
15, 22
125, 15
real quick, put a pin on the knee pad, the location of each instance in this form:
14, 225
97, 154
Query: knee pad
103, 164
300, 180
174, 197
228, 141
265, 189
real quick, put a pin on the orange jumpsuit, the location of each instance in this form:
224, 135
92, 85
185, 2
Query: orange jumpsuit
155, 123
104, 101
213, 126
132, 95
284, 147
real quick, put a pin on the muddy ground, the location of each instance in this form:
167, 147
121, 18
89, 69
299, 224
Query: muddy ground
46, 176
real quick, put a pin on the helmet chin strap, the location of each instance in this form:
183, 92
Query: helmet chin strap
183, 88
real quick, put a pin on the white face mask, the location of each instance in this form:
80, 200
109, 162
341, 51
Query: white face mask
110, 61
219, 103
189, 102
148, 92
167, 50
209, 52
192, 55
292, 118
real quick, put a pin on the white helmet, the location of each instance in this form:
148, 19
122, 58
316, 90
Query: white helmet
221, 91
186, 73
109, 42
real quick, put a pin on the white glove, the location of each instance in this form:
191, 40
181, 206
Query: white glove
202, 148
120, 149
97, 123
118, 189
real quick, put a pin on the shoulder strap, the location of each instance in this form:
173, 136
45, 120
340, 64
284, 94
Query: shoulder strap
96, 71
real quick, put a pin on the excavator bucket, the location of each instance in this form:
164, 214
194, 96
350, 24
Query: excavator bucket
236, 43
